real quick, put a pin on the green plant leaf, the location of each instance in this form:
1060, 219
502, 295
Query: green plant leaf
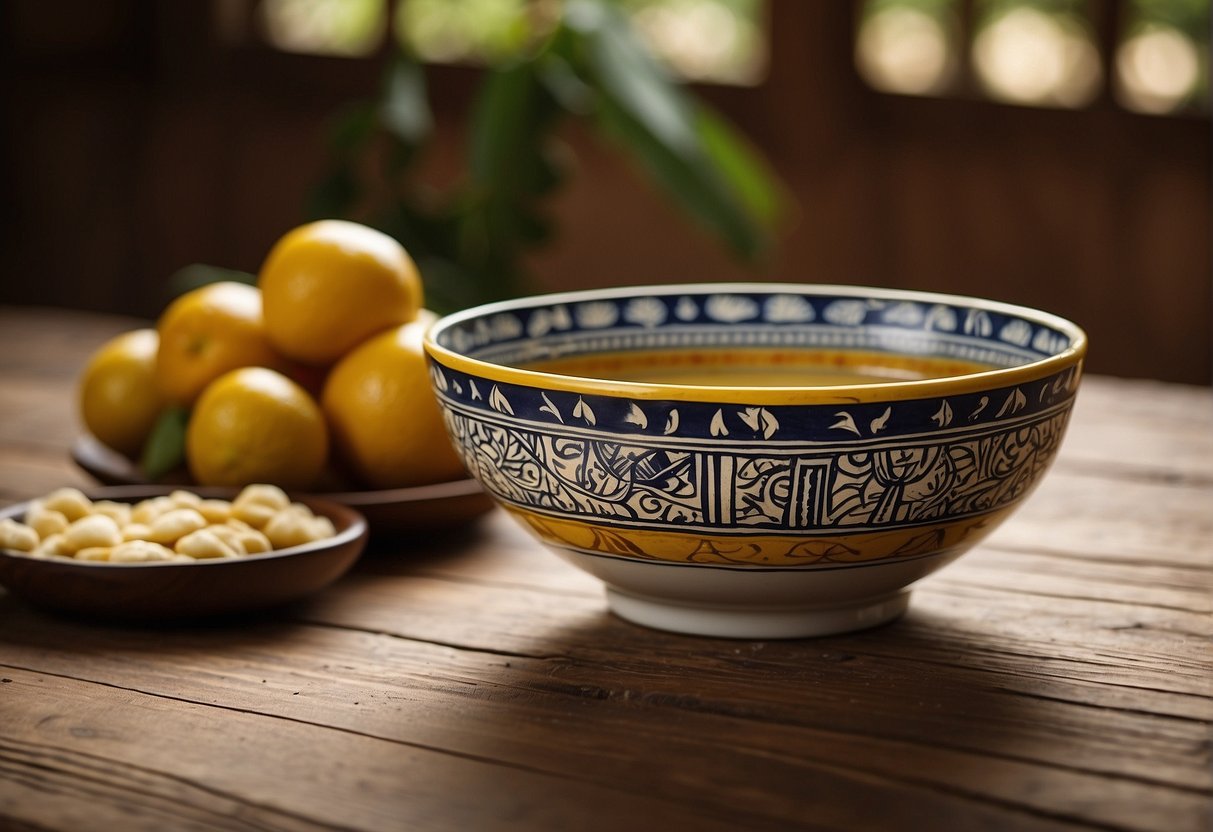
335, 195
510, 169
404, 110
470, 239
513, 115
562, 81
744, 171
623, 67
352, 128
164, 450
690, 180
689, 151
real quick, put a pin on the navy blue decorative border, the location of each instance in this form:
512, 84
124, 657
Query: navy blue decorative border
833, 423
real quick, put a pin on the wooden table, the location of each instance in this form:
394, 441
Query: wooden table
1058, 677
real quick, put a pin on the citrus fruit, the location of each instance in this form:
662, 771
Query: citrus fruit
207, 332
119, 398
385, 421
256, 425
329, 285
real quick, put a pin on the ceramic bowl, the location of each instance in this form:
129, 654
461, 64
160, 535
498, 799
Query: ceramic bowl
757, 461
148, 592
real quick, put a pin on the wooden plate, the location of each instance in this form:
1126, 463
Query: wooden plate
174, 590
389, 512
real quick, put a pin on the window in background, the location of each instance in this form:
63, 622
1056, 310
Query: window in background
1041, 53
909, 46
720, 41
723, 41
1162, 62
1038, 52
346, 28
703, 40
471, 31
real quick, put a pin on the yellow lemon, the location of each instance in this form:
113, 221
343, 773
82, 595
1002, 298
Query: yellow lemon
256, 425
385, 421
329, 285
118, 395
208, 332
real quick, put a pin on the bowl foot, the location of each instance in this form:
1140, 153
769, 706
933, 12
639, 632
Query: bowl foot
756, 623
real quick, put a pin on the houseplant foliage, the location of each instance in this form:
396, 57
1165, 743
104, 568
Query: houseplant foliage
471, 240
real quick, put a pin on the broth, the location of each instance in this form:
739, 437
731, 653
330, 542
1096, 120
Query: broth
757, 367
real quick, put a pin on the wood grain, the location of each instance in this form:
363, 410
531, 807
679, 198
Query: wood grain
1059, 677
281, 768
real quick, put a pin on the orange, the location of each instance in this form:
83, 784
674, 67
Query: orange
256, 425
207, 332
385, 420
330, 285
119, 398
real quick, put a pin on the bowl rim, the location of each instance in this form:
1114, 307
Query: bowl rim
992, 379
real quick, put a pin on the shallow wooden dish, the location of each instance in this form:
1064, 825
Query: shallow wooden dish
177, 591
389, 512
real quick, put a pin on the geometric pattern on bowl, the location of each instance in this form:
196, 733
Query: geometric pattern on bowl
747, 480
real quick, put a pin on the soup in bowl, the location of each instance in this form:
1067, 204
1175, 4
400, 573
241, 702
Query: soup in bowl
756, 460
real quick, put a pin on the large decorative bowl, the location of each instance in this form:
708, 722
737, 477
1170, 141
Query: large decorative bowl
757, 461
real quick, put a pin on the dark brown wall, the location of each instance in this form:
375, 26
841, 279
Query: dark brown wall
134, 144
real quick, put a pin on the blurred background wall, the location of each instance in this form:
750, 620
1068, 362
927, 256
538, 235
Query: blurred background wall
1049, 153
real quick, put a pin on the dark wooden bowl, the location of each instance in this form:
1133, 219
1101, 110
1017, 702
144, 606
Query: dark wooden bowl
389, 512
178, 591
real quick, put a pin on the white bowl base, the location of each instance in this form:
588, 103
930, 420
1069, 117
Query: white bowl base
757, 623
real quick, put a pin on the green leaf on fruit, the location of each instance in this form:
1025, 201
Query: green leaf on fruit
164, 450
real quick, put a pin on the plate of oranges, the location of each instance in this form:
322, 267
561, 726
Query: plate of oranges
313, 378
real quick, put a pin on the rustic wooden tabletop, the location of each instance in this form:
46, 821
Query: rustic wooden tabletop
1058, 677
